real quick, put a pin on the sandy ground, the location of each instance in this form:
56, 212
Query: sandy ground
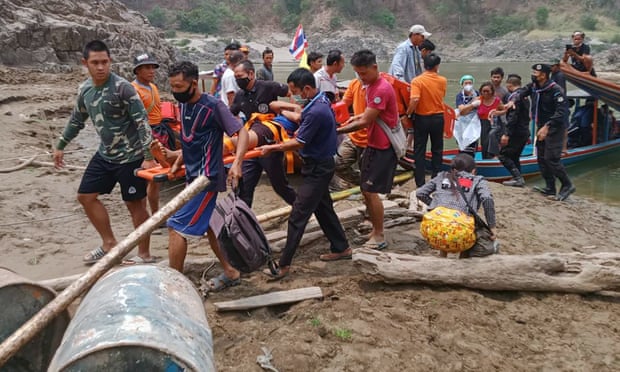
359, 326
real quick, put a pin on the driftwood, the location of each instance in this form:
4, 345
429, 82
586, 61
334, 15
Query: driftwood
270, 299
23, 164
550, 272
403, 177
28, 330
50, 164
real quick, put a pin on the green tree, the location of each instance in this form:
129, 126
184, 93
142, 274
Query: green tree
157, 17
542, 15
588, 22
384, 18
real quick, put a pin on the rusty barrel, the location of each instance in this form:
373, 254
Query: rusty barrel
138, 318
20, 300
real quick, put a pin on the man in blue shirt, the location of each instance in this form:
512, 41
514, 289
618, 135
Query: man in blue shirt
204, 121
407, 60
316, 141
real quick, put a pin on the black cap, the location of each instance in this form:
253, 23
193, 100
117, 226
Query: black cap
144, 59
542, 67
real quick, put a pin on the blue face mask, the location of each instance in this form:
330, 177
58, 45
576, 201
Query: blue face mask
299, 100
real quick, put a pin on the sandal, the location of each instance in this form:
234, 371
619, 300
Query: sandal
281, 272
137, 260
221, 282
335, 256
378, 246
94, 256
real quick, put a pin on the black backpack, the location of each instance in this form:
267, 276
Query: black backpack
241, 237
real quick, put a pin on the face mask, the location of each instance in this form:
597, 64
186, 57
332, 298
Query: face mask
184, 97
243, 83
468, 88
534, 79
300, 101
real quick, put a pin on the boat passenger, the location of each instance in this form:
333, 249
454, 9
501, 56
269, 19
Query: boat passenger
579, 54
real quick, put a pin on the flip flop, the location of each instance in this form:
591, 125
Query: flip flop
221, 282
347, 254
94, 256
281, 272
378, 246
137, 260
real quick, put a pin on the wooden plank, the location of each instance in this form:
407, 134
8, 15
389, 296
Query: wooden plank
270, 299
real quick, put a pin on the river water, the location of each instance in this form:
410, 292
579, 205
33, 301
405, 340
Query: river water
597, 178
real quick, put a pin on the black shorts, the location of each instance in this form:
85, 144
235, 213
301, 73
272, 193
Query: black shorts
378, 169
265, 135
101, 176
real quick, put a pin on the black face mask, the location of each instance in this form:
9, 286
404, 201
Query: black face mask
184, 97
534, 79
243, 83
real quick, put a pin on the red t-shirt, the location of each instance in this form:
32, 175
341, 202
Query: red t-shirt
380, 96
483, 110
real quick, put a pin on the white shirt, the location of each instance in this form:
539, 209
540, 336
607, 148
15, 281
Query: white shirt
325, 83
229, 84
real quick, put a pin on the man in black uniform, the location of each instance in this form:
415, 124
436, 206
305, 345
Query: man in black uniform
255, 96
516, 133
548, 113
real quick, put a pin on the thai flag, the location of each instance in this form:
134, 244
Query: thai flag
299, 43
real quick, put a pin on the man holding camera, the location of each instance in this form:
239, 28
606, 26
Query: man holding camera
579, 54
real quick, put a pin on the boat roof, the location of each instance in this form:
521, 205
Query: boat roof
577, 93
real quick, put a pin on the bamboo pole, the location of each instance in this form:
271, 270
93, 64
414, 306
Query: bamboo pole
338, 195
28, 330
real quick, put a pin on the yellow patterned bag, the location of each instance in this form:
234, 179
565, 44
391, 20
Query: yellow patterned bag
448, 230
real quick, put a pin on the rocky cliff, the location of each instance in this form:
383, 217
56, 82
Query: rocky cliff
50, 34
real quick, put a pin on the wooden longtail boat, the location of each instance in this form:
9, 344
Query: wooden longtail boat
492, 169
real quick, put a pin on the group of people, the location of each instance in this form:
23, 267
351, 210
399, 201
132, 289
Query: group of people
505, 114
124, 114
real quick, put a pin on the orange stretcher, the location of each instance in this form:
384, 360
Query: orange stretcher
162, 174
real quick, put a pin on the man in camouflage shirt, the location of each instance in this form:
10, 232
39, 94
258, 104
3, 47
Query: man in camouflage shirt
121, 122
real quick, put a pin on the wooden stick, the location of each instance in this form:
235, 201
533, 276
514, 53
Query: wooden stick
24, 164
59, 284
269, 299
50, 164
550, 272
339, 195
28, 330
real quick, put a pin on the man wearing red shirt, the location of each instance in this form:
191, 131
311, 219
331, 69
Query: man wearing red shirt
379, 159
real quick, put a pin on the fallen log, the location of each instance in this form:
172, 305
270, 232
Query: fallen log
550, 272
270, 299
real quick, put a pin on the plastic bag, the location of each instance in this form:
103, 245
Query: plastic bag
467, 129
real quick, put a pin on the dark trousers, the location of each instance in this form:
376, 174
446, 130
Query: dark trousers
509, 155
485, 130
313, 197
427, 126
549, 152
273, 166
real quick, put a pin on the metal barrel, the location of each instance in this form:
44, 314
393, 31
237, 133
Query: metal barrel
138, 318
20, 300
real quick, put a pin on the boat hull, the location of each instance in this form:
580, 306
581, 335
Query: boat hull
492, 169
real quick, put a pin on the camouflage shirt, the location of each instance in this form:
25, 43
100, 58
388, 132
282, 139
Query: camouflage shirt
119, 118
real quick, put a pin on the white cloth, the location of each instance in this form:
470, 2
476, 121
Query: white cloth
467, 129
325, 83
229, 84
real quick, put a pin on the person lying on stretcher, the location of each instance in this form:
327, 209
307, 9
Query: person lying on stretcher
281, 126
